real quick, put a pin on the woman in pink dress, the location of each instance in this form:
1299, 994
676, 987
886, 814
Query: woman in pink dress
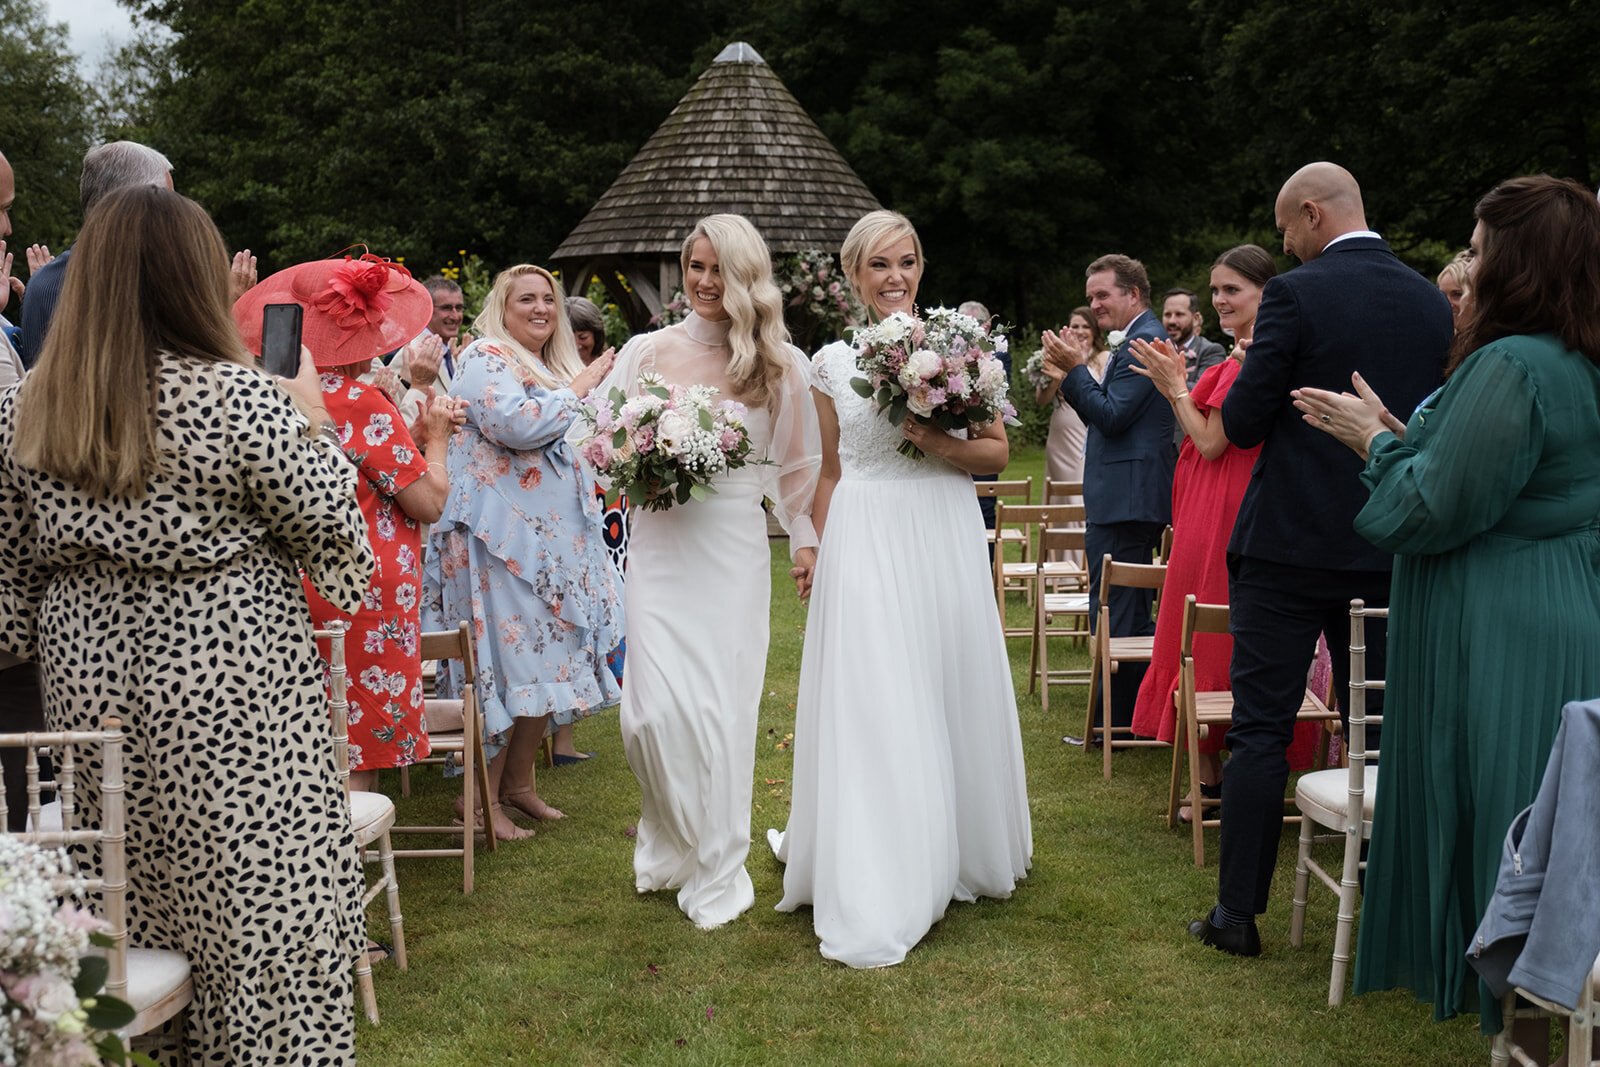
1209, 483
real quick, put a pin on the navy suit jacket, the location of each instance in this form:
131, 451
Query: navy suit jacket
39, 306
1356, 307
1128, 457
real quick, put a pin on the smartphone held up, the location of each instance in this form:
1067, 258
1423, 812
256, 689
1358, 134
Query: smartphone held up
280, 339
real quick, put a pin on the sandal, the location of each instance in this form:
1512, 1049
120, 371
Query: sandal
543, 813
1208, 791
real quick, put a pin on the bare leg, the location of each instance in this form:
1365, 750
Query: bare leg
504, 828
563, 744
363, 781
517, 791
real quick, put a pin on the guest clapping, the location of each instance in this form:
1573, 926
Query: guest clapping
518, 550
160, 497
1488, 498
355, 309
1063, 450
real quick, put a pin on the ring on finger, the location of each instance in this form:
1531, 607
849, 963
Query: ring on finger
1327, 418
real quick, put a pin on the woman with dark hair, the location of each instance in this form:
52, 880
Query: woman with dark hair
160, 497
1063, 446
588, 328
1488, 498
1207, 489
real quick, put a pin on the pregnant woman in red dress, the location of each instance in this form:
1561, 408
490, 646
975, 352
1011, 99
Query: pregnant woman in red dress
1206, 490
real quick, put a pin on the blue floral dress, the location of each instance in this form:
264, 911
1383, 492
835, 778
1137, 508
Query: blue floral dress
520, 554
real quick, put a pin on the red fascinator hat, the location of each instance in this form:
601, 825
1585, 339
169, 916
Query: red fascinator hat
355, 309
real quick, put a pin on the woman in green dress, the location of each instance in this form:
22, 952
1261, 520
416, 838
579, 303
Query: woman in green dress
1489, 499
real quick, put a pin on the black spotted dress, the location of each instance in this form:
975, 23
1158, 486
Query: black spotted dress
181, 612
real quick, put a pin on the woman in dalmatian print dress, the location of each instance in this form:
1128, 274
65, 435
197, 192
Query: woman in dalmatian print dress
157, 498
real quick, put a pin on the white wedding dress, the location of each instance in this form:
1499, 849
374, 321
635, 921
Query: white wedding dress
908, 783
698, 599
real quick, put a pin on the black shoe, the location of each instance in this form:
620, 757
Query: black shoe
1242, 940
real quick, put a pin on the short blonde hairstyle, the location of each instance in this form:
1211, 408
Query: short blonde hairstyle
753, 303
872, 231
558, 364
1456, 269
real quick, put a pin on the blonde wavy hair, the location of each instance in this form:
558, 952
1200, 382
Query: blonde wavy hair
558, 364
149, 278
752, 301
872, 231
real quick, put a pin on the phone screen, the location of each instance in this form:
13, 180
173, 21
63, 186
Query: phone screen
280, 339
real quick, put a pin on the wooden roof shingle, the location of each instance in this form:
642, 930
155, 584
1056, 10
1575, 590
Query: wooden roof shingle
738, 141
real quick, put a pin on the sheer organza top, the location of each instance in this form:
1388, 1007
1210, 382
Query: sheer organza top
784, 432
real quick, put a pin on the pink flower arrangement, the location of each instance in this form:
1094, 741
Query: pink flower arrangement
941, 370
664, 445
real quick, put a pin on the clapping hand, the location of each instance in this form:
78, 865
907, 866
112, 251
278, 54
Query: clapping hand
422, 357
38, 256
584, 381
10, 284
804, 569
1063, 351
1162, 364
241, 275
1354, 418
386, 379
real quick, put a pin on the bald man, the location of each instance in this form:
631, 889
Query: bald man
1295, 561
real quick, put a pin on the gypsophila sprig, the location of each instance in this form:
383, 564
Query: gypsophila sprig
664, 445
51, 1007
941, 370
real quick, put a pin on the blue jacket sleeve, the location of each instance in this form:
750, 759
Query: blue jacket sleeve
1262, 388
1116, 402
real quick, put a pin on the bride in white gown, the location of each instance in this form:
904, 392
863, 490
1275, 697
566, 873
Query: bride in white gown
699, 577
909, 789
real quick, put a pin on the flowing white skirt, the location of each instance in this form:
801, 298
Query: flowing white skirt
697, 599
909, 788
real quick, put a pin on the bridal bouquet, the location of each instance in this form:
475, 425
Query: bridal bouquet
663, 446
51, 1008
942, 371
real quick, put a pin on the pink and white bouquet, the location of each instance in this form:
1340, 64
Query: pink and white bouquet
816, 288
51, 1007
941, 370
1033, 371
665, 445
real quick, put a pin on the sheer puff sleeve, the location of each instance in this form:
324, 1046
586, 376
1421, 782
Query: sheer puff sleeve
795, 453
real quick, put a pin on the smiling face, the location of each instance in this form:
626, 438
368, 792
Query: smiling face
1236, 299
1113, 306
1179, 319
448, 310
1082, 329
530, 315
889, 277
702, 281
1297, 221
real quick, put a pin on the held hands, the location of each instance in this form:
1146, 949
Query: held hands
241, 274
1163, 365
584, 381
1354, 418
1062, 352
804, 569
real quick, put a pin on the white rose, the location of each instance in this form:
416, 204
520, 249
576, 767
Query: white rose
917, 403
52, 997
1115, 338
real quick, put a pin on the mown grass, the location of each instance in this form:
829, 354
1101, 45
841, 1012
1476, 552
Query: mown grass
555, 959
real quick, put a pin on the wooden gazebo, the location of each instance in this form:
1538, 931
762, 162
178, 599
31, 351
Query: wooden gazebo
738, 141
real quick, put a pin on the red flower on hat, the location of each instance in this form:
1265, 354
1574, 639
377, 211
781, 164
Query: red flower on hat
356, 296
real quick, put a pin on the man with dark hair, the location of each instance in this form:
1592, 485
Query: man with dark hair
1295, 561
1128, 458
106, 168
1180, 314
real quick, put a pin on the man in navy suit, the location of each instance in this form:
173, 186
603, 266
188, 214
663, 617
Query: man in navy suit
1128, 457
1295, 561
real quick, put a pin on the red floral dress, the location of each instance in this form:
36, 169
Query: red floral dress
381, 651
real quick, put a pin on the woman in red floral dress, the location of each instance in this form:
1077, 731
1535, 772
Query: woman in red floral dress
355, 310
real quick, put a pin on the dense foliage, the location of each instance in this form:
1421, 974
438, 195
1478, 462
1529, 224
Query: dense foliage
1023, 136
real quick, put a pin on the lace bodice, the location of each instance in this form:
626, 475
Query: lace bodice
867, 439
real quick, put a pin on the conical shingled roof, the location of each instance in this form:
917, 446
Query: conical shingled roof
738, 141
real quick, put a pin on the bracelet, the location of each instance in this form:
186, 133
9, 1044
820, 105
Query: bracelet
1180, 396
436, 463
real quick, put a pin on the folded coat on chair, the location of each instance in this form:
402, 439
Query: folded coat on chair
1541, 930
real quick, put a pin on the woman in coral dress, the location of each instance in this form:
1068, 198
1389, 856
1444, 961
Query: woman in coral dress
1209, 484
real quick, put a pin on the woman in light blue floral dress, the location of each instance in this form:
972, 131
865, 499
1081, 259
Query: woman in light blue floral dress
519, 551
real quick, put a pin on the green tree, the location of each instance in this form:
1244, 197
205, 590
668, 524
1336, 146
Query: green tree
45, 123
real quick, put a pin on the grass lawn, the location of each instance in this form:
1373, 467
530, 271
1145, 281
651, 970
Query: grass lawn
555, 958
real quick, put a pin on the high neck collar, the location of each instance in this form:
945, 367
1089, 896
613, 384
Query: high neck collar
706, 331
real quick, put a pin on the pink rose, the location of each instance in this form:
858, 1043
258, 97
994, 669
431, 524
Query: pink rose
645, 439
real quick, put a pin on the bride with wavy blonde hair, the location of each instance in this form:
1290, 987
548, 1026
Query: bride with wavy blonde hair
699, 576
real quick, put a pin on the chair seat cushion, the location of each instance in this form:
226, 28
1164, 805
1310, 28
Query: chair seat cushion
370, 815
158, 985
1325, 795
444, 716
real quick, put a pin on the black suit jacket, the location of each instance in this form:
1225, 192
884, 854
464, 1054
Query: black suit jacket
1354, 308
1128, 455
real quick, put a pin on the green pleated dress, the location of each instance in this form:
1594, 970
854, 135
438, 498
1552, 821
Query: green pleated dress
1492, 507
